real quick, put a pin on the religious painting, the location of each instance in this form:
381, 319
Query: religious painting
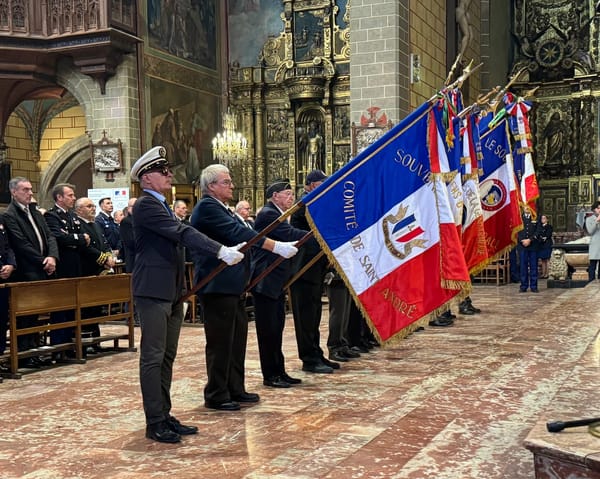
308, 35
574, 192
363, 136
596, 188
251, 24
185, 29
184, 121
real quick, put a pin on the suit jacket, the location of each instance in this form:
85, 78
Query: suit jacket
66, 228
92, 257
217, 222
128, 242
159, 240
7, 255
272, 284
315, 273
25, 244
110, 230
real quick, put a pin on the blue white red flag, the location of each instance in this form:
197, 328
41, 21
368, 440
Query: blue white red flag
387, 227
518, 109
498, 191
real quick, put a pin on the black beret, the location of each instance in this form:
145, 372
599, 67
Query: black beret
277, 186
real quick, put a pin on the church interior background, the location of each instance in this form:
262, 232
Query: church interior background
88, 85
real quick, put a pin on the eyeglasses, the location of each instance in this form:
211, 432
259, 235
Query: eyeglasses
224, 182
90, 206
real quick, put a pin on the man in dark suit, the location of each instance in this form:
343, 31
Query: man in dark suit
127, 238
94, 259
242, 210
110, 229
8, 264
66, 228
223, 298
307, 290
158, 283
35, 250
269, 296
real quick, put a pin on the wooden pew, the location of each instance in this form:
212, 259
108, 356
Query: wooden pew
43, 297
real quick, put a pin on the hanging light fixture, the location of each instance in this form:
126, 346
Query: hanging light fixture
229, 147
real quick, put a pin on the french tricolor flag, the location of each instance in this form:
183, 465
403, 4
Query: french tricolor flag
386, 224
498, 190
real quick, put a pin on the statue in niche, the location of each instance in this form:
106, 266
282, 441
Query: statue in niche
554, 142
311, 146
463, 20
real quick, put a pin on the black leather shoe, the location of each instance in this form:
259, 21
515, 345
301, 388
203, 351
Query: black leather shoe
440, 322
317, 368
535, 291
289, 379
474, 309
331, 364
466, 311
29, 363
276, 382
222, 406
162, 432
360, 348
246, 397
338, 356
348, 353
181, 429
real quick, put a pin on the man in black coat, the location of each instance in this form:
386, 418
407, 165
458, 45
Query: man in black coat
8, 264
307, 290
223, 298
110, 229
66, 228
269, 296
35, 250
127, 238
158, 283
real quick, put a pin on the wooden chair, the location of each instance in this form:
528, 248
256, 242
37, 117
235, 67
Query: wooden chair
189, 284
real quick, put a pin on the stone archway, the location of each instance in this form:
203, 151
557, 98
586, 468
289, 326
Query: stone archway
67, 165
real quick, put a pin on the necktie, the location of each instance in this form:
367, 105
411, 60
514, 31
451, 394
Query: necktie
166, 205
35, 229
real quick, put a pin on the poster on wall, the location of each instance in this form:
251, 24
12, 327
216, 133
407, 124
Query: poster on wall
184, 121
184, 28
119, 197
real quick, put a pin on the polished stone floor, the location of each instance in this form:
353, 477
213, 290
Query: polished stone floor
451, 403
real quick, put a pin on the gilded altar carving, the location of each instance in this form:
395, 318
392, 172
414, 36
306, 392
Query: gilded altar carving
301, 86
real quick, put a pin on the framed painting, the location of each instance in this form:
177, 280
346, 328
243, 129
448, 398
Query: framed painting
363, 136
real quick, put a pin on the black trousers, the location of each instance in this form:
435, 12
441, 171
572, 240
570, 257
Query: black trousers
160, 324
226, 330
270, 321
307, 309
3, 318
339, 315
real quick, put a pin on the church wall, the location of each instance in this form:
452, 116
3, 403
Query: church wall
20, 151
63, 127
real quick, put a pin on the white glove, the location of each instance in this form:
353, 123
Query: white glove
230, 254
287, 250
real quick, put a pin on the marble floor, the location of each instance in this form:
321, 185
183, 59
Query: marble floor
451, 403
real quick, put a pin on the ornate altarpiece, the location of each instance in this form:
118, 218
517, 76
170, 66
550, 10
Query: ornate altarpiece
557, 49
294, 106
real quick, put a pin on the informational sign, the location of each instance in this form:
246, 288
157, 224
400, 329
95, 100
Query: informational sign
119, 197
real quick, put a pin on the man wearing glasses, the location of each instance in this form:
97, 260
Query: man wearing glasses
223, 298
158, 283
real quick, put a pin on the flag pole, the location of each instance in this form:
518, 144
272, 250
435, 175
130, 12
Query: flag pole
277, 262
303, 270
222, 265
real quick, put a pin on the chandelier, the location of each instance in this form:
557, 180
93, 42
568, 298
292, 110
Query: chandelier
229, 147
